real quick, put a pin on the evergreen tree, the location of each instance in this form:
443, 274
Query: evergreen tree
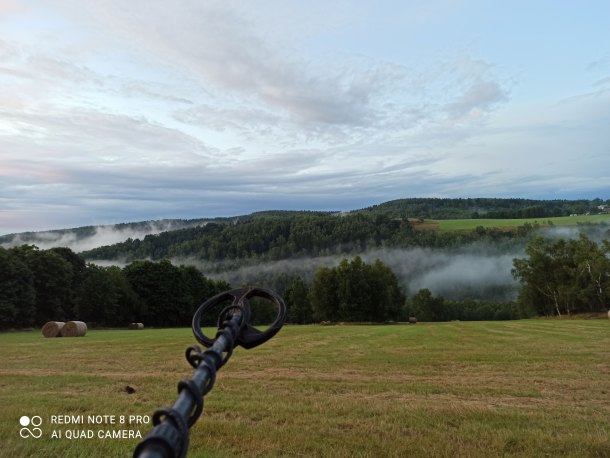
356, 291
323, 295
297, 301
52, 280
78, 273
17, 293
426, 307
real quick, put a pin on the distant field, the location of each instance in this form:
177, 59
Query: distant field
508, 224
466, 389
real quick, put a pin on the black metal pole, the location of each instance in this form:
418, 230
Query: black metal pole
169, 437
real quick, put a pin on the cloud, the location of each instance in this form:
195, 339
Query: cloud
254, 86
246, 120
116, 164
9, 6
477, 99
103, 138
473, 91
229, 59
134, 109
604, 82
601, 64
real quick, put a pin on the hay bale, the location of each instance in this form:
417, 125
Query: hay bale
608, 313
74, 329
412, 320
52, 328
135, 326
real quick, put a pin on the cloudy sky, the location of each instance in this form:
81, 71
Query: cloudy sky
116, 111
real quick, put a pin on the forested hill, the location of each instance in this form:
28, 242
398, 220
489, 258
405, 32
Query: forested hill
482, 208
272, 236
84, 232
279, 234
279, 237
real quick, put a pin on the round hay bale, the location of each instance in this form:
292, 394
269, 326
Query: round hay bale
52, 328
412, 320
74, 329
135, 326
608, 313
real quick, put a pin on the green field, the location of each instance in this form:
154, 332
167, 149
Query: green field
508, 224
528, 388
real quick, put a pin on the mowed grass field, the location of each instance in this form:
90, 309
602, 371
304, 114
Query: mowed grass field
506, 224
529, 388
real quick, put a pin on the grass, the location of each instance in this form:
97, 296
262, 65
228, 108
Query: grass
507, 224
464, 389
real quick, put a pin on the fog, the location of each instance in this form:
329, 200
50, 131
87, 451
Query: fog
473, 271
93, 237
478, 271
595, 232
457, 275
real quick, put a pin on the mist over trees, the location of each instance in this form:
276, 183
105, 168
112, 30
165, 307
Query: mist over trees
271, 238
558, 277
374, 264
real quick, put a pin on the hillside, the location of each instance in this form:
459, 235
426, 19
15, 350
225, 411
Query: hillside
279, 234
457, 259
436, 208
87, 237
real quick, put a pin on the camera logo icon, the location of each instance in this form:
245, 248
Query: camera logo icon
34, 423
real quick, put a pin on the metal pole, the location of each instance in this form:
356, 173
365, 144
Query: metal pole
170, 436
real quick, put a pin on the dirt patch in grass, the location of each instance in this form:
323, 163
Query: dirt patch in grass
423, 224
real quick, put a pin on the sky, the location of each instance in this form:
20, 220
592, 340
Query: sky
118, 111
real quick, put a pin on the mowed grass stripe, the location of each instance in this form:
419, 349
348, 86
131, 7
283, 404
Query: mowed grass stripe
510, 224
519, 388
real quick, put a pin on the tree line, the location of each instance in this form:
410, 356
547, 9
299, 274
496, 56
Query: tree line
273, 237
432, 208
558, 277
438, 208
37, 286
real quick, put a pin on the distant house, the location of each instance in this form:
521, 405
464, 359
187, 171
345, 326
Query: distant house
603, 208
